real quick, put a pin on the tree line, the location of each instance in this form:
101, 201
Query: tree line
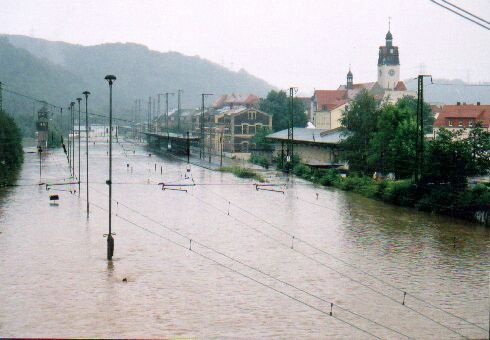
11, 153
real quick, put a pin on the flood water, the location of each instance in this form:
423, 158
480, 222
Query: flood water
359, 254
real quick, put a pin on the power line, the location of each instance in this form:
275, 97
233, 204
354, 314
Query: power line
346, 262
461, 15
460, 85
33, 99
327, 266
247, 265
240, 273
463, 10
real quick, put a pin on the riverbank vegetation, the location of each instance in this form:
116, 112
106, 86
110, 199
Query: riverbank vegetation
242, 172
11, 153
381, 140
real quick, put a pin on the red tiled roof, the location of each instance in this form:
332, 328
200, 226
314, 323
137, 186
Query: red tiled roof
330, 98
465, 111
400, 86
236, 99
367, 86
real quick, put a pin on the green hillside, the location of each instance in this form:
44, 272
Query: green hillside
59, 72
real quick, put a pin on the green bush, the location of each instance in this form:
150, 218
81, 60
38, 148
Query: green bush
329, 177
242, 172
260, 160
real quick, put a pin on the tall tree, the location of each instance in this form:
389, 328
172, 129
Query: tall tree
392, 148
277, 103
11, 153
361, 121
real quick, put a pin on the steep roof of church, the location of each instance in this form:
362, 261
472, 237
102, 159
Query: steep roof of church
400, 86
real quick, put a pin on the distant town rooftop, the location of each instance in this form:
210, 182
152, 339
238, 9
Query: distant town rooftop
306, 135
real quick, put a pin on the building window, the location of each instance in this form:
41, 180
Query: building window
252, 115
324, 107
460, 123
470, 123
244, 129
257, 127
449, 122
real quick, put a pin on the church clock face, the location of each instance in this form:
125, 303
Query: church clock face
391, 72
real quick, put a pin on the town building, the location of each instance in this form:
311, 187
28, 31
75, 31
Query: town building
462, 116
237, 128
327, 105
42, 127
315, 147
235, 100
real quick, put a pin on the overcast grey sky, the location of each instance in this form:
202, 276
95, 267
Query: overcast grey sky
308, 44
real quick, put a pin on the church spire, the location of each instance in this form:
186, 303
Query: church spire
389, 36
350, 79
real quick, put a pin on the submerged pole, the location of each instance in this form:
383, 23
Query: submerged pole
86, 93
110, 239
79, 157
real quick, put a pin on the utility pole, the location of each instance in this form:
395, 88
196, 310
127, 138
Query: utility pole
166, 118
290, 148
40, 150
201, 146
188, 148
149, 113
419, 142
1, 97
72, 107
155, 114
221, 148
110, 239
61, 126
69, 147
179, 92
86, 93
79, 156
210, 139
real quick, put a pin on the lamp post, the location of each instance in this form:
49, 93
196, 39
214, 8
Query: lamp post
68, 145
166, 118
86, 93
201, 151
110, 240
79, 173
72, 106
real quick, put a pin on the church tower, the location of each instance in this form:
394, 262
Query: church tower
350, 80
388, 64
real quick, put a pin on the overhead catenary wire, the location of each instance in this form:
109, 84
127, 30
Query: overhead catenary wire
463, 10
401, 290
460, 14
330, 267
241, 274
33, 99
367, 286
247, 265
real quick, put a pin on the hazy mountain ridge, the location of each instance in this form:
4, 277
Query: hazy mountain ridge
140, 72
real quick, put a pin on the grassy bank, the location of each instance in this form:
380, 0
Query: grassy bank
443, 199
242, 172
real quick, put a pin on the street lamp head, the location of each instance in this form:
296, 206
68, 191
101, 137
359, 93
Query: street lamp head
86, 93
110, 78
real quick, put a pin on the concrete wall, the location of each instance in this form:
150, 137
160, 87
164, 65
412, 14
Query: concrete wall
310, 153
